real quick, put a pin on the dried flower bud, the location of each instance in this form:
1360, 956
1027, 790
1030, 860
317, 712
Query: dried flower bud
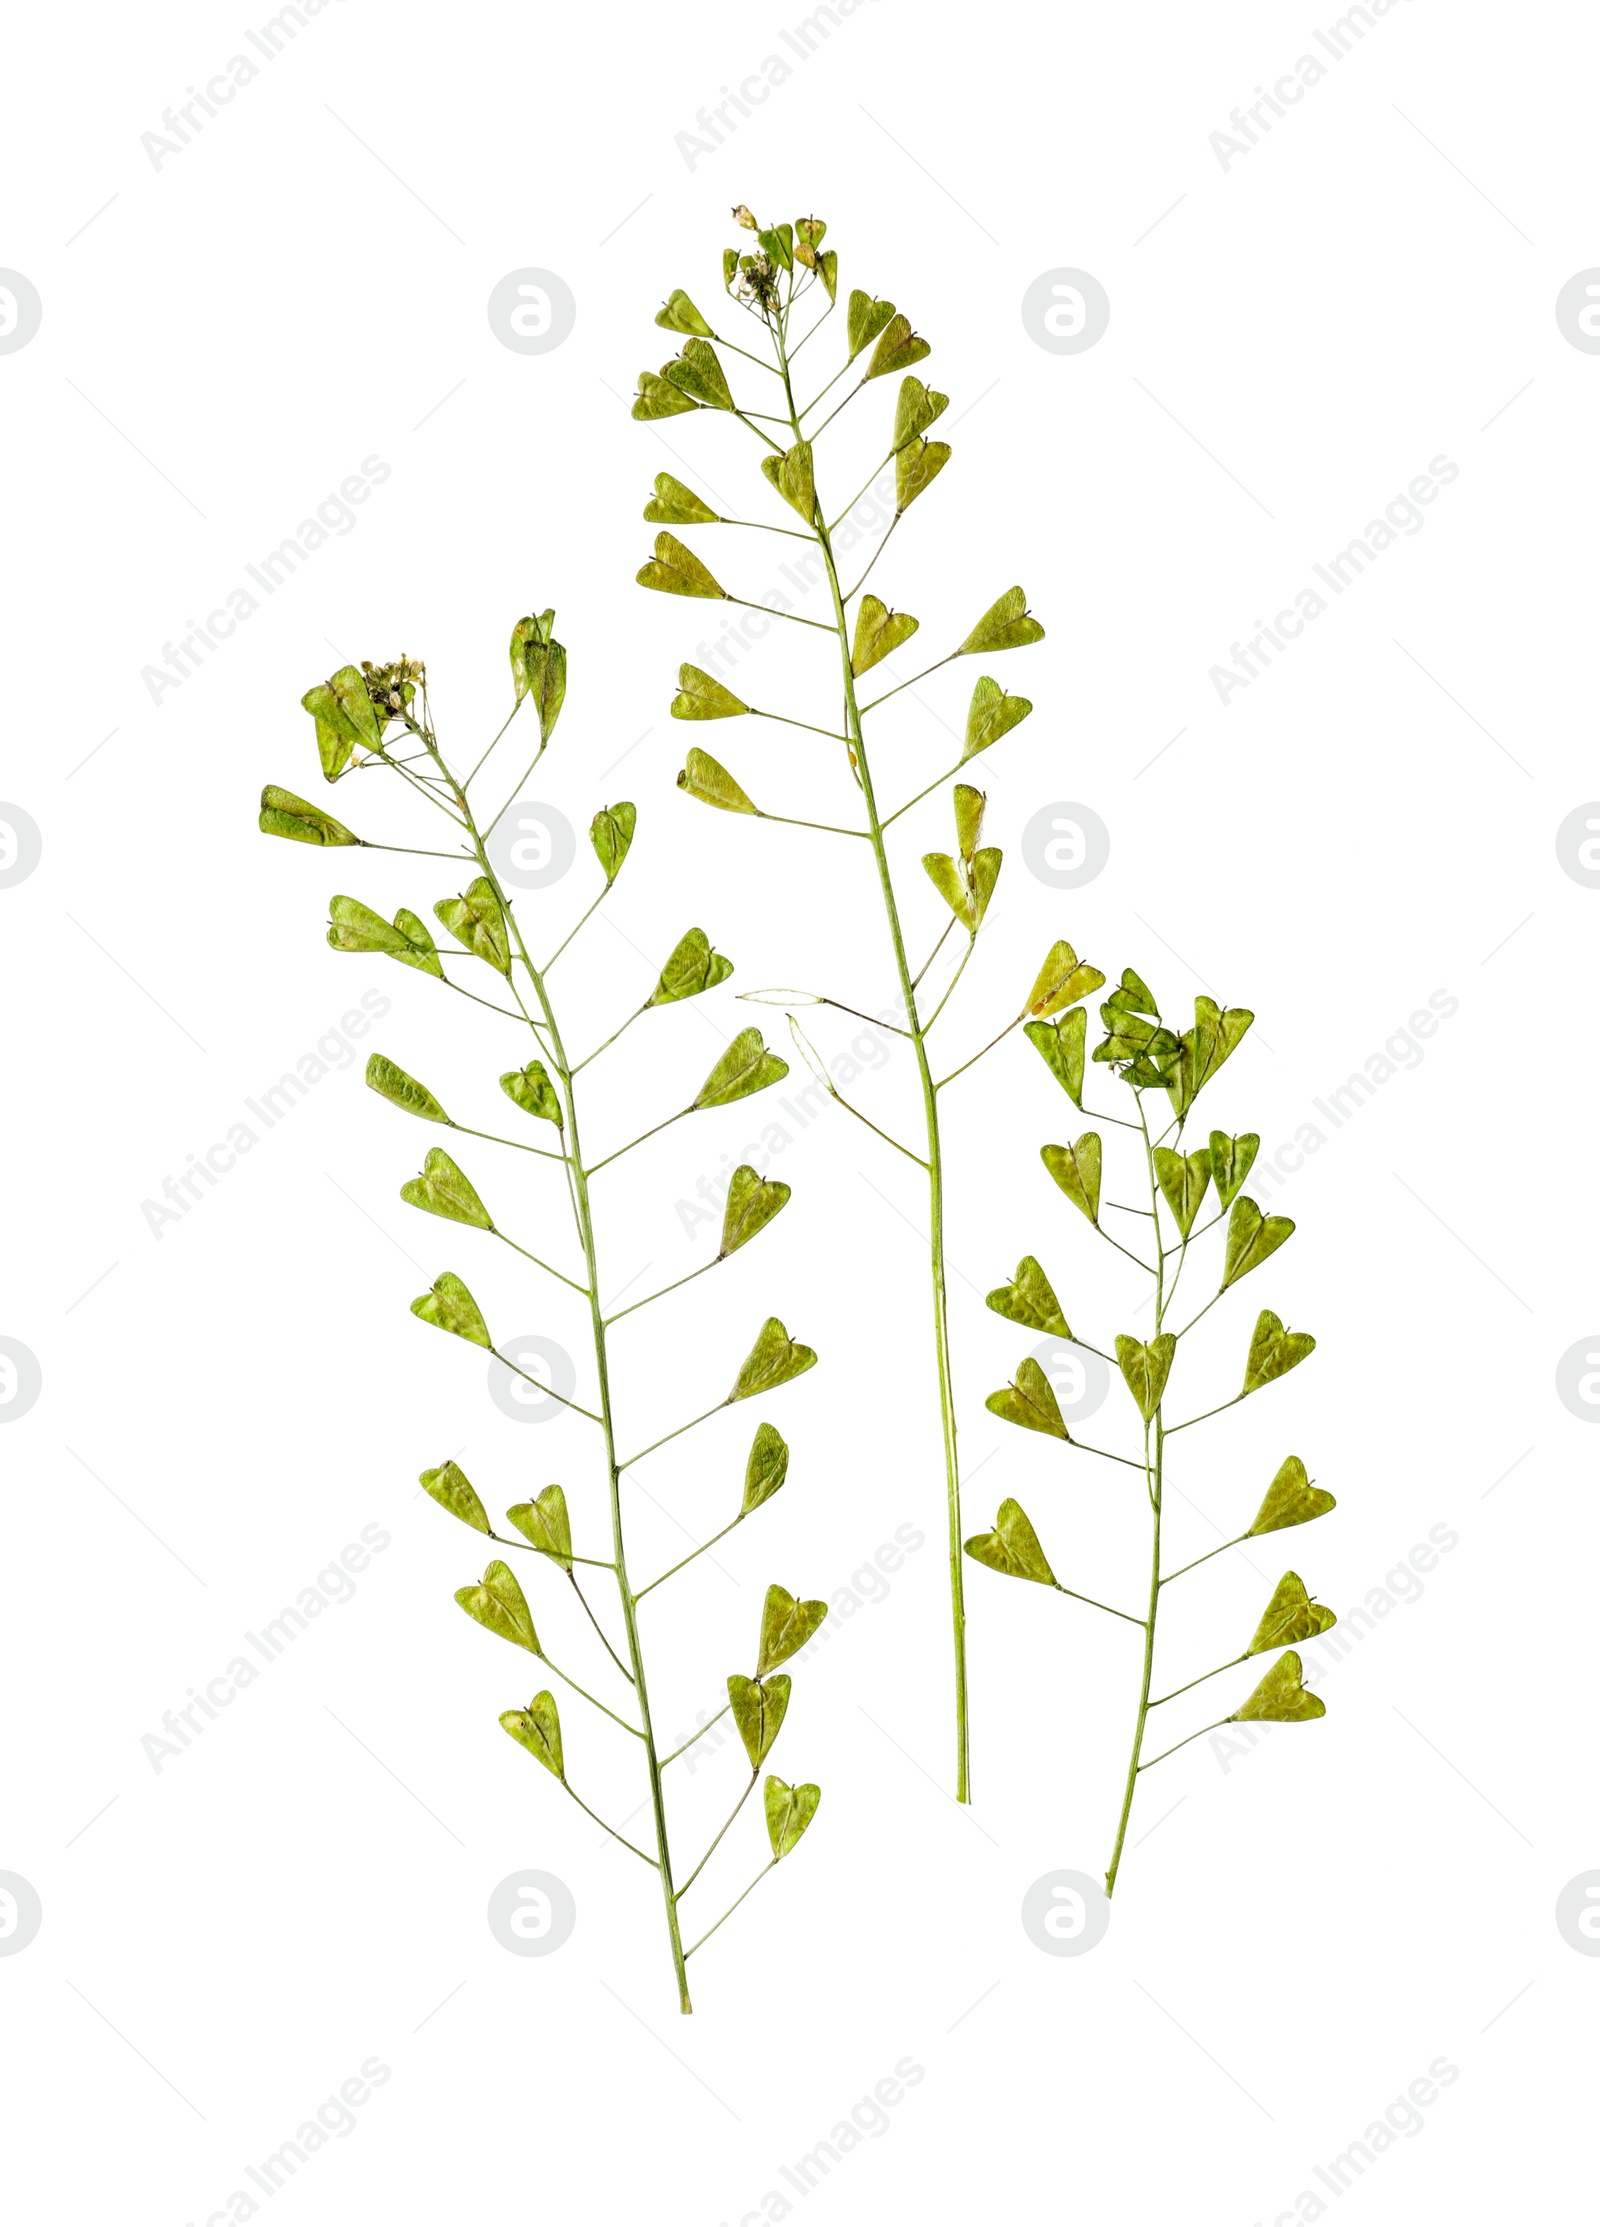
741, 215
758, 281
391, 687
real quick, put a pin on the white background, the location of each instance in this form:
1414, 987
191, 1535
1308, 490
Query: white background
1293, 338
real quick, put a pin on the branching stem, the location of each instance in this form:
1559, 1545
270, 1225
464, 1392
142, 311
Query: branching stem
611, 1829
793, 616
852, 593
609, 1041
821, 826
1199, 1558
945, 1081
700, 1735
1089, 1602
581, 922
642, 1138
949, 988
581, 1289
703, 1270
633, 1459
784, 721
599, 1634
911, 683
728, 1913
590, 1698
579, 1181
1190, 1421
1200, 1681
526, 1546
1154, 1436
933, 1165
949, 930
1200, 1735
688, 1558
548, 1390
711, 1851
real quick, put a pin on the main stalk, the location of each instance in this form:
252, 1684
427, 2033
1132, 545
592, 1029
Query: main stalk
584, 1216
1153, 1442
930, 1107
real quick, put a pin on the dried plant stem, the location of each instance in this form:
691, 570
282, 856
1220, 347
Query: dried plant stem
700, 1735
728, 1913
353, 711
1154, 1435
749, 1788
1183, 1743
584, 1215
917, 1032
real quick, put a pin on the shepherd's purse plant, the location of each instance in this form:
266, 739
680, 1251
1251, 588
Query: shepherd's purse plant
377, 719
782, 277
1165, 1071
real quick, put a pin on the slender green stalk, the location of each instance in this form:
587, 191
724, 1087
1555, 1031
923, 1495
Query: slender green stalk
1199, 1558
585, 1695
769, 284
579, 1175
749, 1789
1232, 1663
693, 1424
1183, 1743
538, 1263
621, 1838
945, 1080
526, 1546
700, 1735
930, 1113
353, 710
704, 1548
1153, 1481
651, 1298
945, 934
1148, 1055
728, 1913
1089, 1601
599, 1629
642, 1139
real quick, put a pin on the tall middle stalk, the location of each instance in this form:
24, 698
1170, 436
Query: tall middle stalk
785, 267
930, 1101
